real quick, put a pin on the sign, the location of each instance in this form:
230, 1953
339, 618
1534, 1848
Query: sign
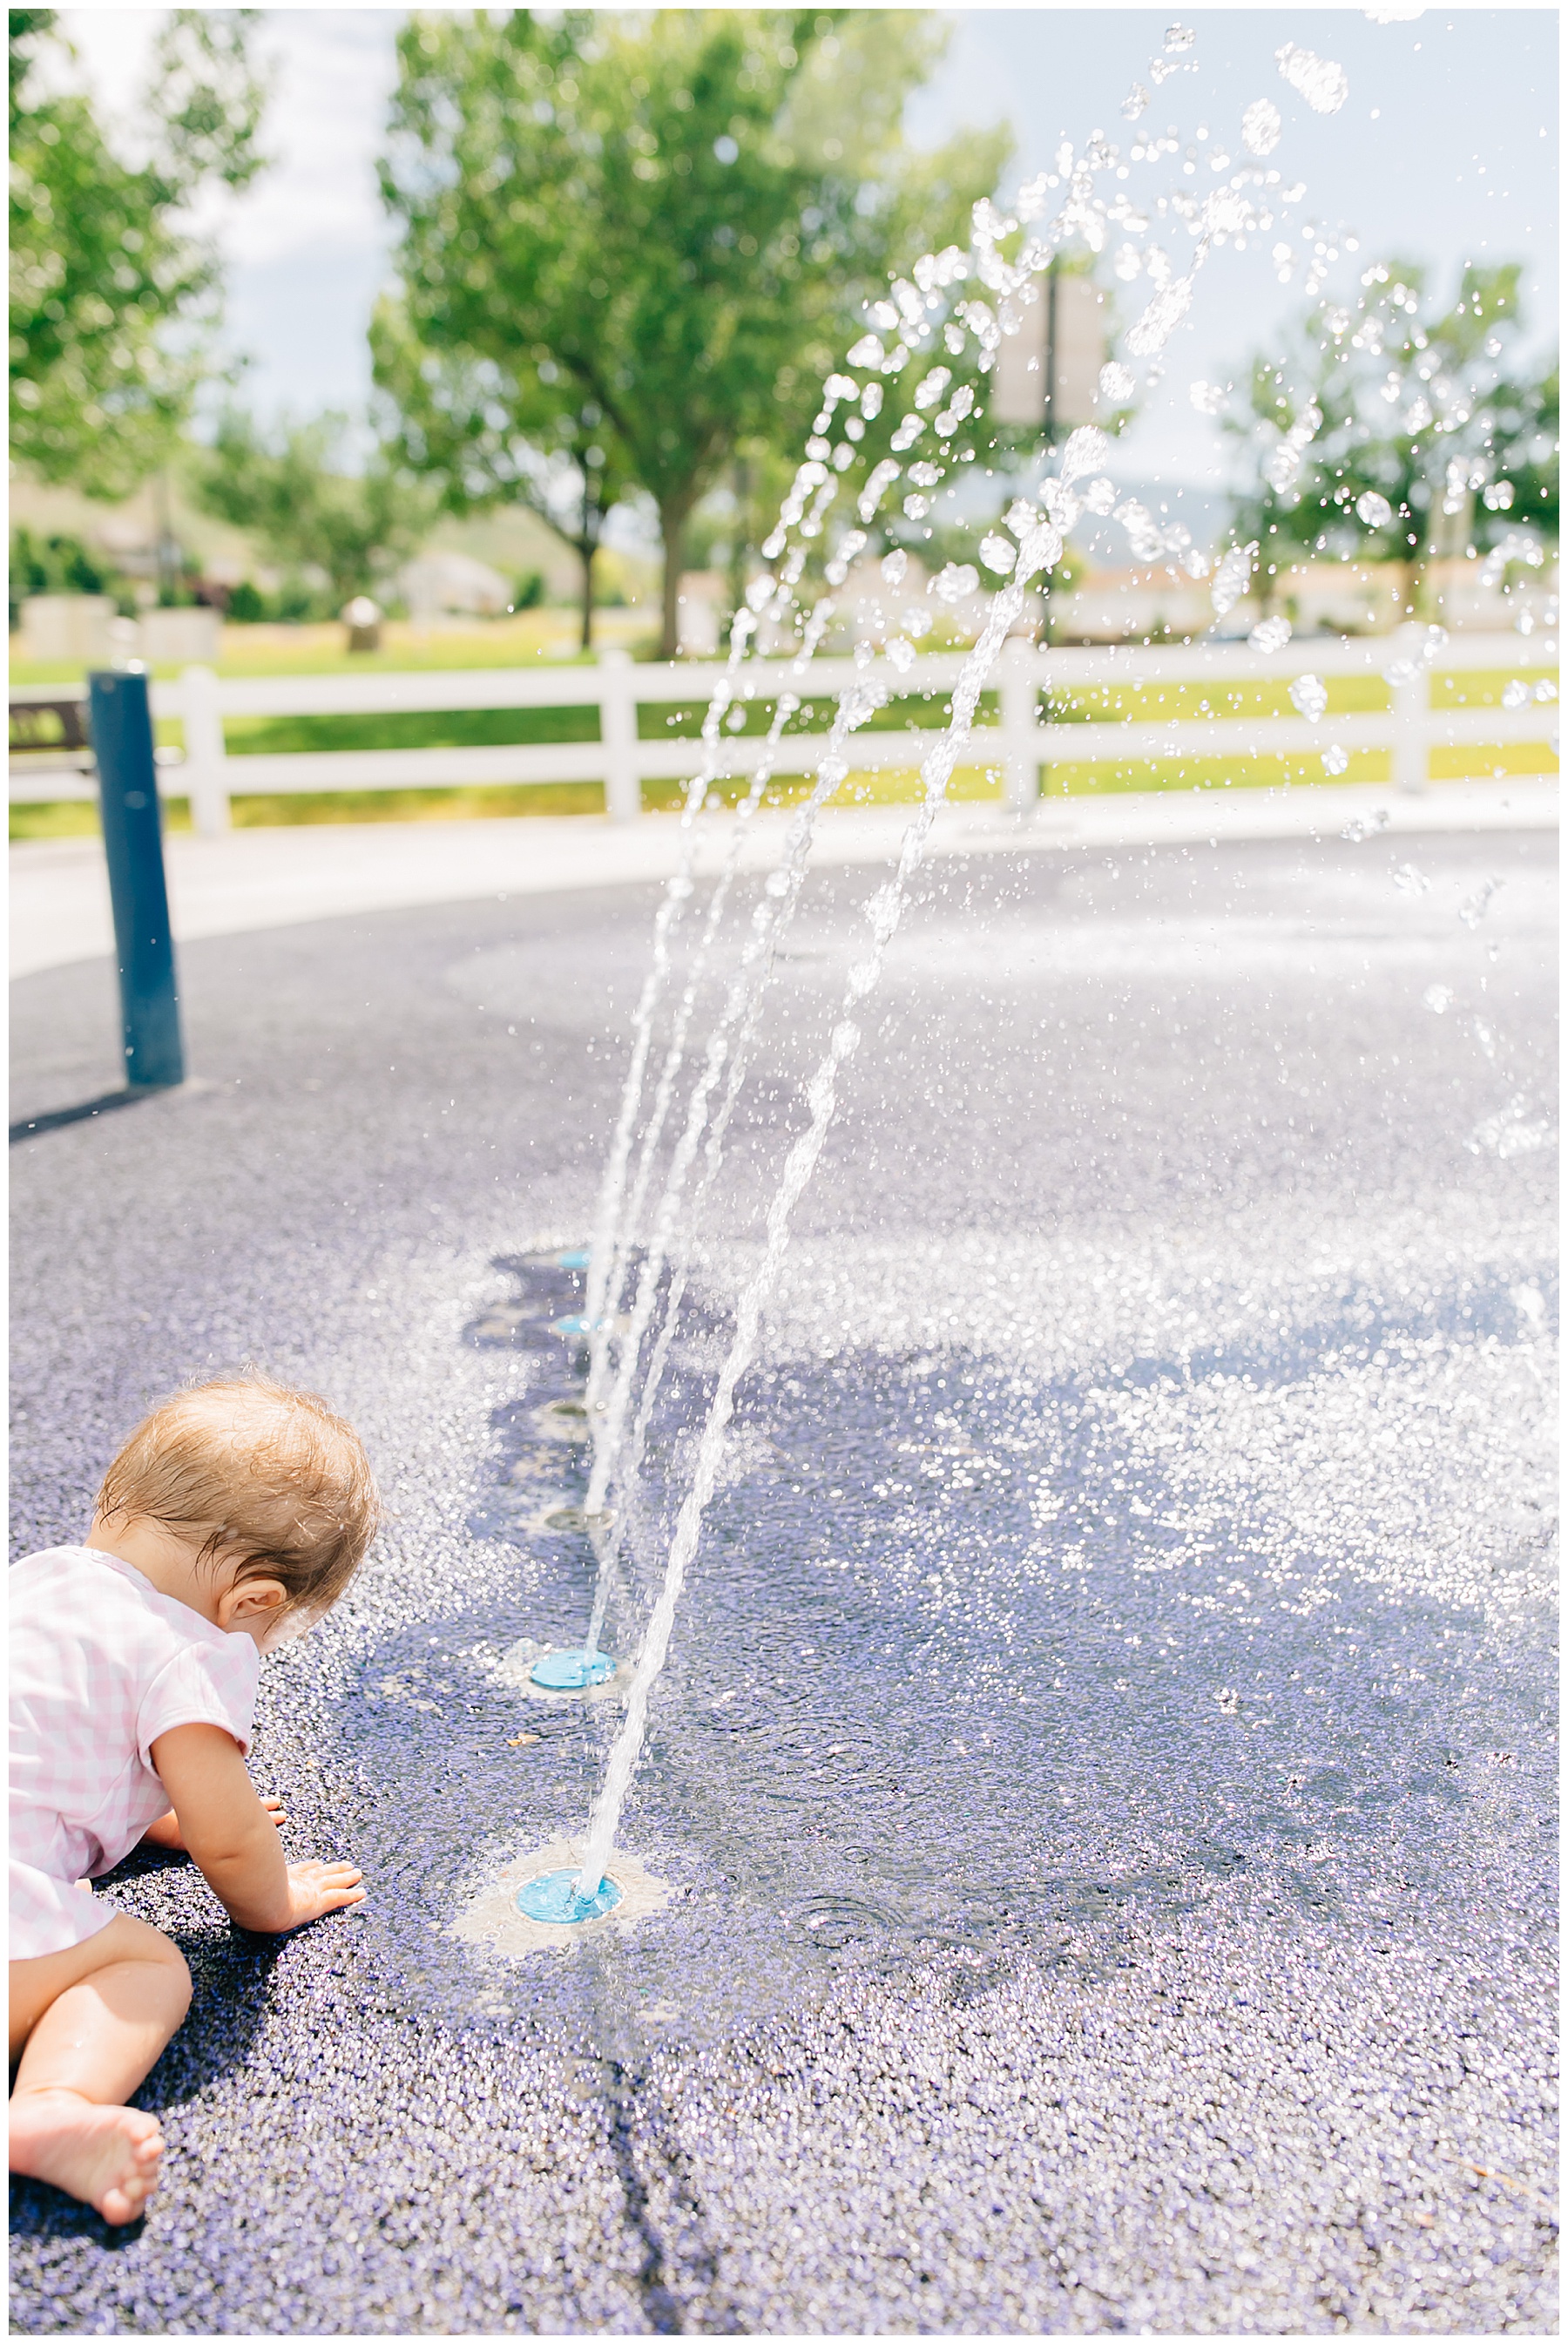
1048, 373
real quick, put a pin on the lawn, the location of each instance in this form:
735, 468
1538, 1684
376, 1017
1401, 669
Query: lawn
519, 641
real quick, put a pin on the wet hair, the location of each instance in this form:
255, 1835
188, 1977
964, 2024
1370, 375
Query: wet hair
261, 1475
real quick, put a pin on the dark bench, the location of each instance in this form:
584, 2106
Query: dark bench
51, 725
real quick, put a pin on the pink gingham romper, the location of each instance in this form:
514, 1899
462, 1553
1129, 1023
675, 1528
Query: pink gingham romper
101, 1664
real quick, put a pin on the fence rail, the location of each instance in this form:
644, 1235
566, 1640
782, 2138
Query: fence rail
1018, 741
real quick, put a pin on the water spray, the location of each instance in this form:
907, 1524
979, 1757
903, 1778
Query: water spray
619, 1405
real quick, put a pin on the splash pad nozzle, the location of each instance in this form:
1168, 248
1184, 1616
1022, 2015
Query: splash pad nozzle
572, 1671
554, 1896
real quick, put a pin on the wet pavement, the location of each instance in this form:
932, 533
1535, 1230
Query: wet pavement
1104, 1770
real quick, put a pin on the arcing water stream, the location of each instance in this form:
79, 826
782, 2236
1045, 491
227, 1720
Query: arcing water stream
628, 1354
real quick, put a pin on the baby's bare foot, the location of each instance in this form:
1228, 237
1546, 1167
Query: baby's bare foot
107, 2156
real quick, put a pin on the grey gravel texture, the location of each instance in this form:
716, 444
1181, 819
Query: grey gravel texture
1105, 1765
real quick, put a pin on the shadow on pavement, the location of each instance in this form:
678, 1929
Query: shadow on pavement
34, 1126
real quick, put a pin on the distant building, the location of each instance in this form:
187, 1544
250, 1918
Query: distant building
1319, 598
452, 585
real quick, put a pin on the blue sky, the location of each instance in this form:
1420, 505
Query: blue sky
1445, 150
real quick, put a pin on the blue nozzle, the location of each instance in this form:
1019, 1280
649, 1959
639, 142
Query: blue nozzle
576, 1260
571, 1671
554, 1898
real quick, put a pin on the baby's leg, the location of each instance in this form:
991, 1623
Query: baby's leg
93, 2018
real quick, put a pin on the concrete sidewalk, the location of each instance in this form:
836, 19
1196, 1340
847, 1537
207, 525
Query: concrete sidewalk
256, 879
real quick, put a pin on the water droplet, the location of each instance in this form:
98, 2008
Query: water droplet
1154, 328
1376, 511
1135, 103
1117, 383
1410, 880
996, 553
1231, 575
1472, 911
1208, 397
1309, 695
1436, 998
1510, 1131
1260, 127
1085, 451
1319, 80
1178, 37
955, 581
1335, 760
1270, 635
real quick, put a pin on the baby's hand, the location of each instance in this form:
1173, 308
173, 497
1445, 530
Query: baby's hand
317, 1888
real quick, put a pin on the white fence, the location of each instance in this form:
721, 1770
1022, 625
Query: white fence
1019, 743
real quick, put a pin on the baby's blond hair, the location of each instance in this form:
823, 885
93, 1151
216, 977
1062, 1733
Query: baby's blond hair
258, 1474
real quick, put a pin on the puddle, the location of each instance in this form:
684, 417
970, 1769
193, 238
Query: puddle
494, 1922
964, 1664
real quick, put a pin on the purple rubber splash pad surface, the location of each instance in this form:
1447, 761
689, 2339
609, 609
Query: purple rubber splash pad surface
1104, 1757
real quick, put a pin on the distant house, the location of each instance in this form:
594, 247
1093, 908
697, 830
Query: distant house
442, 585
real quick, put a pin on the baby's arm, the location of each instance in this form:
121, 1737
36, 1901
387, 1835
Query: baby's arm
235, 1841
166, 1832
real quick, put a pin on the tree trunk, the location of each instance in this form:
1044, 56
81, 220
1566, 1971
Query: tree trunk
741, 542
586, 552
672, 516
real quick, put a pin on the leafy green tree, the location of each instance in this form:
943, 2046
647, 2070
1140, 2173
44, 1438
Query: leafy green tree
493, 434
659, 230
113, 299
1401, 429
297, 494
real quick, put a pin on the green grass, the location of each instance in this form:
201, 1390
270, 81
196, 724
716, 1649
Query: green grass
1348, 695
1482, 687
461, 728
1368, 766
533, 638
299, 809
1068, 781
1153, 702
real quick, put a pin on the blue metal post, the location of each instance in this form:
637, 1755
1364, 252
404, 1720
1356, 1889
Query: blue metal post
122, 729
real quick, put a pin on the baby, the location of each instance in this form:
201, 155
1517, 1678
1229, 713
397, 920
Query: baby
233, 1517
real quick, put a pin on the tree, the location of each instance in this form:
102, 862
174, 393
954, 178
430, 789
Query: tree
113, 300
297, 494
658, 230
1401, 429
489, 434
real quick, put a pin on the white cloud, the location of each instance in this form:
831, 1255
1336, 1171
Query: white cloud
333, 69
306, 245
